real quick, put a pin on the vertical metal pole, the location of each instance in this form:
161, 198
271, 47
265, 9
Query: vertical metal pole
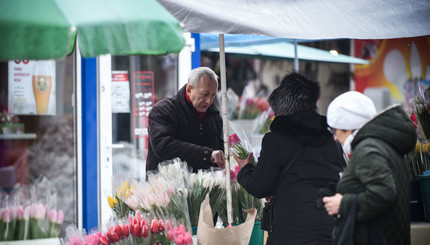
225, 128
296, 59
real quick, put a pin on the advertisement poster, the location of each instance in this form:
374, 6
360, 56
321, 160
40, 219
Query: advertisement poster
31, 87
398, 69
142, 101
120, 92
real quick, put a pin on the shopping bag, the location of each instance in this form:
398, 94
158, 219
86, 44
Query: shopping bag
207, 234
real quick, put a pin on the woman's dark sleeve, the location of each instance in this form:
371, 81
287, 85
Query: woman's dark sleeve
260, 181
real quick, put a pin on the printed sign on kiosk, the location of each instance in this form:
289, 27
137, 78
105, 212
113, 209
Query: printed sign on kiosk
142, 102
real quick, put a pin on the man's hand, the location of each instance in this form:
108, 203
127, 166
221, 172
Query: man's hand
218, 158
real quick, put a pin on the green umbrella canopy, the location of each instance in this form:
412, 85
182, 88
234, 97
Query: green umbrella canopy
47, 29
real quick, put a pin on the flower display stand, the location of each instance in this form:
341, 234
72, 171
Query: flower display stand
47, 241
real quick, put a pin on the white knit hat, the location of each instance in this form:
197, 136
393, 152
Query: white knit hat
350, 110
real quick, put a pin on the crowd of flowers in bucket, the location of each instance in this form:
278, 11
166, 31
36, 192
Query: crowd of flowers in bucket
419, 159
30, 212
139, 228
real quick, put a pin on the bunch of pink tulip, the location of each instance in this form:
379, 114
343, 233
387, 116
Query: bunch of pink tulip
29, 222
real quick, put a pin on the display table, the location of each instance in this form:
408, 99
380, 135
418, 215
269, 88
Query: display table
48, 241
420, 233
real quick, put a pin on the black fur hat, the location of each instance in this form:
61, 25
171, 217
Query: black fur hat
295, 93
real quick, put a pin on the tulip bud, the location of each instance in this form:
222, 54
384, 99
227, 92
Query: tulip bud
144, 232
136, 220
180, 239
60, 217
171, 236
109, 237
125, 230
104, 240
136, 231
132, 229
188, 238
161, 226
154, 226
110, 201
118, 230
114, 236
175, 230
130, 219
6, 215
52, 215
168, 225
182, 229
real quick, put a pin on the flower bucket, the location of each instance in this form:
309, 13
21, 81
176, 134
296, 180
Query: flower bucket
416, 203
425, 190
257, 236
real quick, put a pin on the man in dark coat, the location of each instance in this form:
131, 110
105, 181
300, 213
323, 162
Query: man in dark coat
188, 125
297, 127
378, 175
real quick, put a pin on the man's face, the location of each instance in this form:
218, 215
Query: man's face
203, 95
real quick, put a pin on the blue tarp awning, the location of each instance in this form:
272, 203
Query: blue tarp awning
270, 47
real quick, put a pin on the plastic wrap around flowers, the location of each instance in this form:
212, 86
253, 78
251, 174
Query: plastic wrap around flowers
163, 195
199, 184
241, 198
174, 193
26, 213
237, 147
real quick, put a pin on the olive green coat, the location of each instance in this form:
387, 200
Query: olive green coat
378, 173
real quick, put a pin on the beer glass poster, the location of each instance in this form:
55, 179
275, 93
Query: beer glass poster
31, 87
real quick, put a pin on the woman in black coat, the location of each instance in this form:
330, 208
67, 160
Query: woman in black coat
298, 219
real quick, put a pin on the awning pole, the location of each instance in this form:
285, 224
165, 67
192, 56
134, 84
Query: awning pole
225, 128
296, 59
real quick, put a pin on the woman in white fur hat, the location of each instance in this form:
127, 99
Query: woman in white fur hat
346, 114
371, 205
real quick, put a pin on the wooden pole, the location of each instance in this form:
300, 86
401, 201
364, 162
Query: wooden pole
225, 128
296, 58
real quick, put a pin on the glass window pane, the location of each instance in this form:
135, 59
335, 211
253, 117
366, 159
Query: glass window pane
138, 83
38, 129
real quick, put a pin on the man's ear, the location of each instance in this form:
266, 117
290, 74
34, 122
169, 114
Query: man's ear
188, 88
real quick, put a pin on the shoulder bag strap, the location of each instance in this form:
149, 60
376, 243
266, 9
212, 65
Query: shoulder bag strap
292, 160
